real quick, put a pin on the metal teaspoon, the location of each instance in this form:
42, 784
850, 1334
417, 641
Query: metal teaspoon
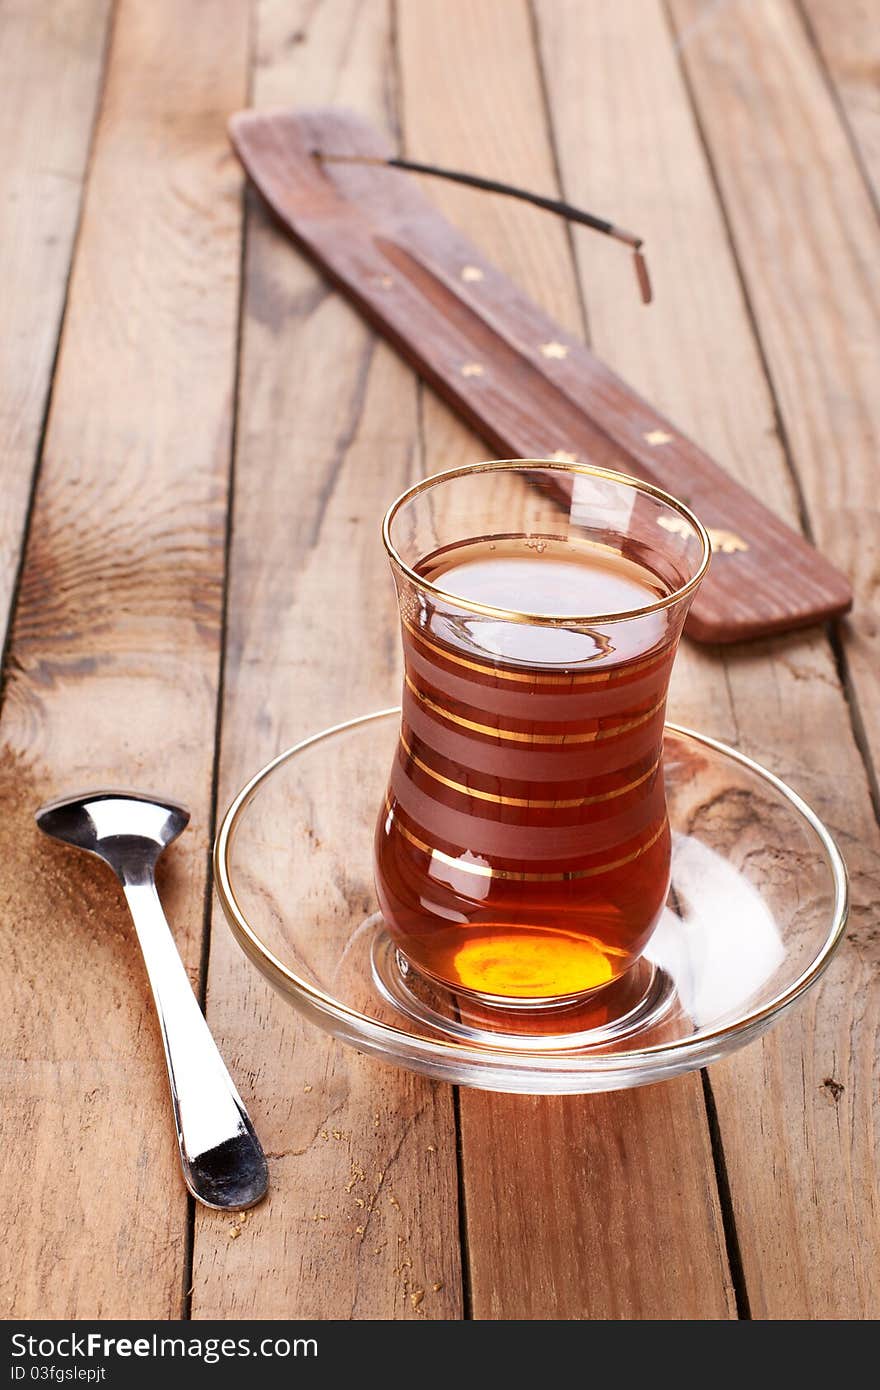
223, 1163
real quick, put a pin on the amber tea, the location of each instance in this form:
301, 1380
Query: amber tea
523, 851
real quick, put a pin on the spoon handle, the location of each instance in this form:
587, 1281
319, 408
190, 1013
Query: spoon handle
223, 1163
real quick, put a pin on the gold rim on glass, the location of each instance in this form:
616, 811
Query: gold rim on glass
361, 1029
512, 615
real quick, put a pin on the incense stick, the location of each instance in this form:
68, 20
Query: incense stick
508, 190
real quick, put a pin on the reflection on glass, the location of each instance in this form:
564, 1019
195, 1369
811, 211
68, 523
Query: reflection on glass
723, 942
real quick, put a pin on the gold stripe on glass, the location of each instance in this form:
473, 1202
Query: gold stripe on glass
515, 736
529, 802
486, 871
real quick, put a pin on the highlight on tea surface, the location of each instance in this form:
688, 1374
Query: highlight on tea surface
522, 854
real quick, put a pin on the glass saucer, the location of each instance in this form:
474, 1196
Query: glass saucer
757, 906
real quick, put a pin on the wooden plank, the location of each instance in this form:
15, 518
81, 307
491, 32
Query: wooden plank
572, 1205
328, 435
847, 36
806, 238
806, 1241
50, 70
114, 666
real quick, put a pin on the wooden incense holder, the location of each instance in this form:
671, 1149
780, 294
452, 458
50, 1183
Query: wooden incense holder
528, 387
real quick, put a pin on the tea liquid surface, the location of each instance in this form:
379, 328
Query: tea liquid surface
523, 850
549, 577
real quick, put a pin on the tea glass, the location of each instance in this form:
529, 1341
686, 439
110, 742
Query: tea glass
522, 854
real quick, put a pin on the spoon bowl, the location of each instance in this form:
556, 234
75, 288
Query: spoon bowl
114, 824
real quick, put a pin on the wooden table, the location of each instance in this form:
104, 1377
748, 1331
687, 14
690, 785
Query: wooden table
198, 439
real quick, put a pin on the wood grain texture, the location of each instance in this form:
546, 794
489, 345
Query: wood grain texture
568, 1213
482, 346
114, 666
847, 35
807, 240
801, 1154
599, 1207
361, 1219
50, 70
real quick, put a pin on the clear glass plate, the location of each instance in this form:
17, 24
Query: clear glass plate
757, 906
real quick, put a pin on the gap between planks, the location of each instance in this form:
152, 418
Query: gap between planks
213, 802
6, 618
307, 361
504, 233
832, 628
75, 538
816, 35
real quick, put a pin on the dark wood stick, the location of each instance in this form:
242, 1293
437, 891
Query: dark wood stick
509, 190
